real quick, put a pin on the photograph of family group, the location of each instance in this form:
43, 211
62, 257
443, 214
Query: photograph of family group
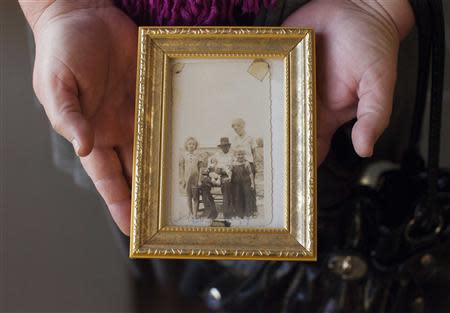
226, 182
221, 145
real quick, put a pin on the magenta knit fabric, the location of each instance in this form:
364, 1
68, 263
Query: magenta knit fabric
190, 12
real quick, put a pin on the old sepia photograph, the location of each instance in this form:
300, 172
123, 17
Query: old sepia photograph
223, 119
225, 144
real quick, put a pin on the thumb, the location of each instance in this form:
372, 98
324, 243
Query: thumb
375, 92
56, 89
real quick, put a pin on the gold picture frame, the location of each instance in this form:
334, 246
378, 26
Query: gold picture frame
151, 236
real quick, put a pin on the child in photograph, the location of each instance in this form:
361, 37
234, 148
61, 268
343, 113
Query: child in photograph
215, 172
243, 185
244, 141
189, 174
215, 176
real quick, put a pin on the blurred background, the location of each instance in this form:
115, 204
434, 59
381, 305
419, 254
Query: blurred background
58, 251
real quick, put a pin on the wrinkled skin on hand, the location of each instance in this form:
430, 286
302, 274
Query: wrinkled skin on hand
357, 48
85, 78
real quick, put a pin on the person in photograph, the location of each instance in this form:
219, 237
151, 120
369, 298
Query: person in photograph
244, 141
243, 185
209, 205
222, 162
215, 174
189, 174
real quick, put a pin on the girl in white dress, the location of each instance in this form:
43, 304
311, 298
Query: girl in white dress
189, 174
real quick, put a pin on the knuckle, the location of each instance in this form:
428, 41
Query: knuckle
57, 124
61, 119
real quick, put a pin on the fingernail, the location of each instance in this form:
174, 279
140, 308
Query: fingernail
76, 145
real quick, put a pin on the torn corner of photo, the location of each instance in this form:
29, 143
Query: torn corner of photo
259, 69
178, 68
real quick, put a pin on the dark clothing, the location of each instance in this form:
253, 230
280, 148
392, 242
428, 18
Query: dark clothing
244, 202
227, 199
253, 208
208, 200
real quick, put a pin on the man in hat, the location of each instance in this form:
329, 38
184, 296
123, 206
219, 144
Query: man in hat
223, 161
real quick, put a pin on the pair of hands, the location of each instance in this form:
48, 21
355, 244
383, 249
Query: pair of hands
85, 71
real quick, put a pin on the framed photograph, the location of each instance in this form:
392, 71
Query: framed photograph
225, 144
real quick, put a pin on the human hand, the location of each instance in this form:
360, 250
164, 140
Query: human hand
84, 75
357, 48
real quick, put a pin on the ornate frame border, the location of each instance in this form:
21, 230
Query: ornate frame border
149, 237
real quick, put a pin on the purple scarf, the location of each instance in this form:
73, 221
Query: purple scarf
190, 12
